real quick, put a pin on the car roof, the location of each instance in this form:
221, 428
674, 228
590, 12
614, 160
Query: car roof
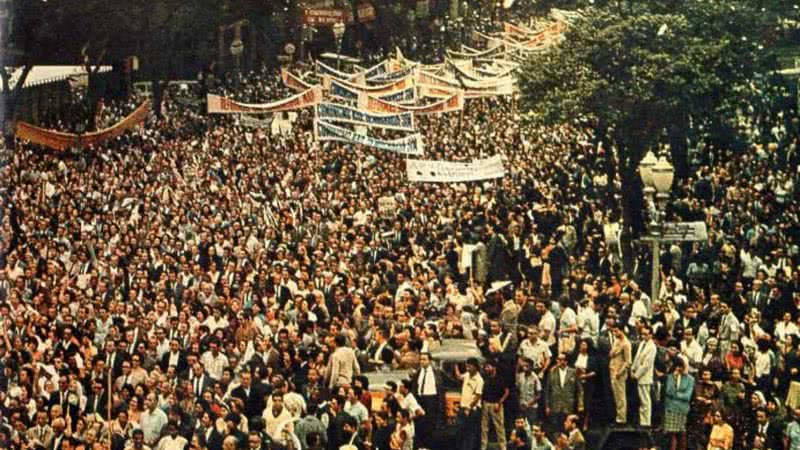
378, 379
457, 350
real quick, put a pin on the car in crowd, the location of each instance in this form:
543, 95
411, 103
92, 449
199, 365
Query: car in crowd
450, 353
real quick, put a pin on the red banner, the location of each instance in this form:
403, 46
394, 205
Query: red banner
58, 140
322, 17
222, 105
454, 103
293, 81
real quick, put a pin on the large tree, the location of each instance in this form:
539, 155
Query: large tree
640, 75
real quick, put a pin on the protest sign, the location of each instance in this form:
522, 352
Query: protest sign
454, 172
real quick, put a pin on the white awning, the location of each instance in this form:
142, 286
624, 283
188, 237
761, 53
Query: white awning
48, 74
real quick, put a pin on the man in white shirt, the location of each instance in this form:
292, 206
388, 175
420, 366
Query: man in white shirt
638, 310
547, 324
216, 321
642, 369
172, 441
214, 361
353, 406
536, 350
407, 401
589, 319
152, 420
786, 328
277, 419
429, 389
692, 350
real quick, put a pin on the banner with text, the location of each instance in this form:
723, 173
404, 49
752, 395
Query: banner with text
324, 69
394, 86
322, 17
330, 112
222, 105
57, 140
454, 103
339, 90
255, 122
454, 172
405, 96
409, 145
393, 76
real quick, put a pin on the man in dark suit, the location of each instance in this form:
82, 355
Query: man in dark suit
252, 395
376, 253
209, 432
379, 354
429, 388
499, 256
768, 432
200, 380
398, 237
59, 396
97, 401
58, 436
561, 393
174, 357
113, 357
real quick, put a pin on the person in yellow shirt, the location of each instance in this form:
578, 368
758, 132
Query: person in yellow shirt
721, 437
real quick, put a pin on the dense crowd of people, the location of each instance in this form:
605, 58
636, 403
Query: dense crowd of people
198, 284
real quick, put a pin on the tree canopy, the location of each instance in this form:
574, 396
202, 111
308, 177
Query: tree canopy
645, 74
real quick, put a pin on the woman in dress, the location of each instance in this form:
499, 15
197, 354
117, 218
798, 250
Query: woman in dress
721, 437
676, 405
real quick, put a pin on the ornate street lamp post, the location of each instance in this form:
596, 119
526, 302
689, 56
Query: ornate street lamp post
657, 175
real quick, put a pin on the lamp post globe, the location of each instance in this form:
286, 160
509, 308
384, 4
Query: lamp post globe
646, 168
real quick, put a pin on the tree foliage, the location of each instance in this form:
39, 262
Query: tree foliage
642, 73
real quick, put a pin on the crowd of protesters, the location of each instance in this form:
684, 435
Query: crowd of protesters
197, 284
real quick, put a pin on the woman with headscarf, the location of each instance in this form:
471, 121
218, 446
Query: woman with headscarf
757, 402
712, 360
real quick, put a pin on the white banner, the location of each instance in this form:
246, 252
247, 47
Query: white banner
455, 172
393, 76
405, 96
330, 112
409, 145
324, 69
254, 122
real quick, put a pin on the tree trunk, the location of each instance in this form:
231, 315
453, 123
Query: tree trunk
91, 102
10, 102
633, 219
678, 147
158, 97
